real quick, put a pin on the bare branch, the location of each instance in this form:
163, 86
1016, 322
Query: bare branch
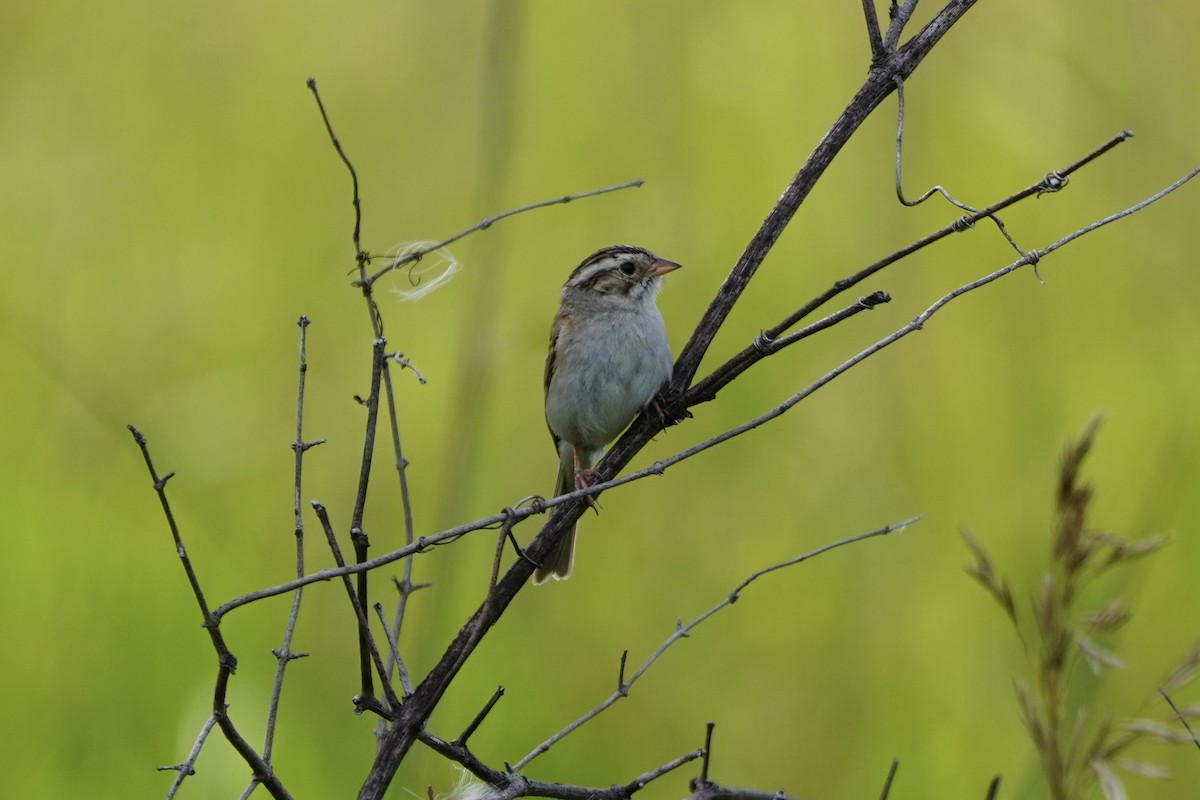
879, 84
479, 718
683, 631
874, 38
337, 145
712, 791
284, 654
224, 656
507, 785
642, 428
887, 783
358, 536
1052, 181
768, 343
417, 255
364, 629
188, 767
900, 16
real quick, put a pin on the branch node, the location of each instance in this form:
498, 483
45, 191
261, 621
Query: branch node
407, 587
963, 223
288, 656
763, 343
1032, 258
370, 703
184, 768
1053, 182
874, 299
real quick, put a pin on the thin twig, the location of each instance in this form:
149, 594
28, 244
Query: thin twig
874, 38
188, 767
284, 654
337, 145
507, 785
900, 17
899, 161
713, 791
642, 780
1051, 182
887, 782
224, 656
358, 536
416, 255
405, 363
393, 651
364, 630
392, 633
768, 343
682, 631
937, 189
633, 439
878, 85
708, 734
479, 718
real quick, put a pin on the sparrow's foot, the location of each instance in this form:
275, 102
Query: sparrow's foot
661, 402
583, 479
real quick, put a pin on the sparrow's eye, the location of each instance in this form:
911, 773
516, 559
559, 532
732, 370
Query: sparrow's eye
628, 269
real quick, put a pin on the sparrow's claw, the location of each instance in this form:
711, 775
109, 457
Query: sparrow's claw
583, 479
659, 405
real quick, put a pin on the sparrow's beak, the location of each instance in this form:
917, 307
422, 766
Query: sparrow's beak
662, 267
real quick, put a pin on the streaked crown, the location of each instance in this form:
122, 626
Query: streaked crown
618, 269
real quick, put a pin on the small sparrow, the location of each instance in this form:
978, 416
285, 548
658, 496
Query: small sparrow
608, 358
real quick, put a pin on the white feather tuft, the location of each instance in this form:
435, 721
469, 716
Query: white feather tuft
469, 788
427, 274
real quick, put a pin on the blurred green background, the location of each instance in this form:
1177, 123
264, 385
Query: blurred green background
171, 205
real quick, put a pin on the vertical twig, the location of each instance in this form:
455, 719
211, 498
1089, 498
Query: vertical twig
365, 701
284, 654
708, 734
405, 584
873, 35
358, 536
